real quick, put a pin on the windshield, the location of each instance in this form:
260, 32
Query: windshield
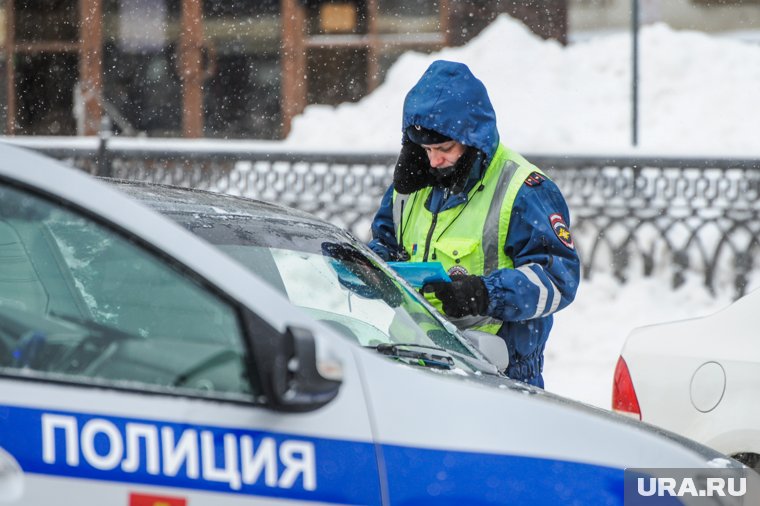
333, 278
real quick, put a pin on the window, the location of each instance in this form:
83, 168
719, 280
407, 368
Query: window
141, 69
80, 303
242, 41
42, 58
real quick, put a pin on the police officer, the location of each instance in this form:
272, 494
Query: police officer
499, 225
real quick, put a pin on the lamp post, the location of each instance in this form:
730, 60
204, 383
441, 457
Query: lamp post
635, 73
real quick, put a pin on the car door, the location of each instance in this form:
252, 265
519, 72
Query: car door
138, 366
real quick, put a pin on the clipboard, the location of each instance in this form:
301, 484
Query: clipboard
418, 274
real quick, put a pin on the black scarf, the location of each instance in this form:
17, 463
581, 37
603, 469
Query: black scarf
455, 177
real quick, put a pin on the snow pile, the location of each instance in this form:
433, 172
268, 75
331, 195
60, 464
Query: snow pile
698, 95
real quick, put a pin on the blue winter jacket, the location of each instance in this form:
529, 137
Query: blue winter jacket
450, 100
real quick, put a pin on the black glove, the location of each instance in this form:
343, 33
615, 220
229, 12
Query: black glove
463, 296
412, 169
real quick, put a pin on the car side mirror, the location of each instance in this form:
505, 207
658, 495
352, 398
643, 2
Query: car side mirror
300, 378
493, 347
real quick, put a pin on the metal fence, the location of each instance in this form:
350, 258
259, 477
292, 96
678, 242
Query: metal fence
630, 216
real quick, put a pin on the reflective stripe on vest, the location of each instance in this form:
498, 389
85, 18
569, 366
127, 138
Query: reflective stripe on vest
463, 237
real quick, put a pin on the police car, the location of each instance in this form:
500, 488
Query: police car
140, 365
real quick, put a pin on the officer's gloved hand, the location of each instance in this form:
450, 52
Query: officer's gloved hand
463, 296
412, 169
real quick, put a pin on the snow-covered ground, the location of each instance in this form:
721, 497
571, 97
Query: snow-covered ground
698, 96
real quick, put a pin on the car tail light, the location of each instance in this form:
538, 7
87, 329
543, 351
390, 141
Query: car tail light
624, 398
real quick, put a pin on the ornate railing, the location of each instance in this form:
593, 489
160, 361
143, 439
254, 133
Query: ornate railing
630, 216
633, 216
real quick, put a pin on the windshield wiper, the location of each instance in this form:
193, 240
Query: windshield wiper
428, 359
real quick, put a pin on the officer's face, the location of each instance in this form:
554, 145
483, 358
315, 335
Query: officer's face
445, 154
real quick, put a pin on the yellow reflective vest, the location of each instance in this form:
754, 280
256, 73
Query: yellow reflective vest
468, 238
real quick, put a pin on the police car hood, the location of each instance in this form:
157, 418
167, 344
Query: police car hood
449, 99
491, 414
544, 396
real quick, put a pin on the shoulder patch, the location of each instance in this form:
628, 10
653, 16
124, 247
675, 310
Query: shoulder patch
534, 179
561, 230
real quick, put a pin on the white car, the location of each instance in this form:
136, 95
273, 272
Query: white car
141, 365
699, 378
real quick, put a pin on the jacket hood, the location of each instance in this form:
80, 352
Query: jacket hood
449, 99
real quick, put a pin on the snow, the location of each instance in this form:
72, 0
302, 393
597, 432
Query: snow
698, 97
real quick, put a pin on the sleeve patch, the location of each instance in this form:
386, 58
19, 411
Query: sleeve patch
534, 179
561, 230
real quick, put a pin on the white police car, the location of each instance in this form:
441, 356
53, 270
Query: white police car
139, 365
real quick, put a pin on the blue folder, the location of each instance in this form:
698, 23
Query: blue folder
419, 273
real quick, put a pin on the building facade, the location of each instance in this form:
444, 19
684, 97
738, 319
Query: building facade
217, 68
740, 17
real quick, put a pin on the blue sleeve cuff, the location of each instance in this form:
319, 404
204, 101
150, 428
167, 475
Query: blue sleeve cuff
497, 285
